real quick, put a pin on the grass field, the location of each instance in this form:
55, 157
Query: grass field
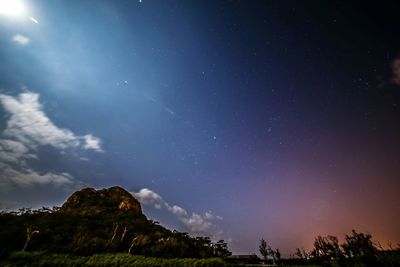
36, 259
104, 260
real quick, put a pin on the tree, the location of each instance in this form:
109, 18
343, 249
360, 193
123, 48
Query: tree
115, 232
221, 249
29, 234
124, 233
302, 254
267, 251
263, 248
358, 247
139, 242
326, 249
277, 255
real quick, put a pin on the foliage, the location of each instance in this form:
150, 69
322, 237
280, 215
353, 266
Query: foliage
263, 248
267, 252
357, 250
302, 254
327, 249
221, 249
88, 234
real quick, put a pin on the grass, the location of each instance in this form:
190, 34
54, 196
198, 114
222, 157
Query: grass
36, 259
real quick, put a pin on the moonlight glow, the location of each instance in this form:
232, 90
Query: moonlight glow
12, 8
281, 117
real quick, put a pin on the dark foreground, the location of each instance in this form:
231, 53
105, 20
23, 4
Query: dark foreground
35, 259
104, 260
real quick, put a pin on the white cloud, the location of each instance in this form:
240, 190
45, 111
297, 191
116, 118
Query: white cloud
210, 216
195, 223
177, 210
27, 128
92, 142
30, 125
148, 197
21, 39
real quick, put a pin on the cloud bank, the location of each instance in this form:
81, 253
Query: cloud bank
195, 223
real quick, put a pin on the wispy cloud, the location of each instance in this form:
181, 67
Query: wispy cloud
195, 223
25, 177
28, 128
21, 39
15, 170
30, 125
14, 152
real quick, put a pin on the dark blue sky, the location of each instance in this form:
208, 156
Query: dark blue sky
254, 118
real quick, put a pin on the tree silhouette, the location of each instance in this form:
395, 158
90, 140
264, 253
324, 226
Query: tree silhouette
277, 255
302, 254
326, 249
221, 249
263, 248
358, 247
267, 251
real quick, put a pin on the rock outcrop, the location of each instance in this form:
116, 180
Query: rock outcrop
90, 201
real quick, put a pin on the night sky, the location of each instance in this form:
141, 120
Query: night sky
232, 119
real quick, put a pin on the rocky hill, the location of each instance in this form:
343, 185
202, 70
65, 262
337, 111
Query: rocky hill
99, 221
90, 201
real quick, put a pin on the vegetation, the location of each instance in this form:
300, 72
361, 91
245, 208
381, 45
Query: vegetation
99, 221
103, 260
107, 228
326, 249
263, 248
267, 252
357, 250
52, 231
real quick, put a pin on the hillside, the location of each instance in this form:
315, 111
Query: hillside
99, 221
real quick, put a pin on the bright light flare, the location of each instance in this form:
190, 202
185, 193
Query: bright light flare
34, 20
14, 8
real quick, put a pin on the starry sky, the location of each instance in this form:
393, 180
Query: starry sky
233, 119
